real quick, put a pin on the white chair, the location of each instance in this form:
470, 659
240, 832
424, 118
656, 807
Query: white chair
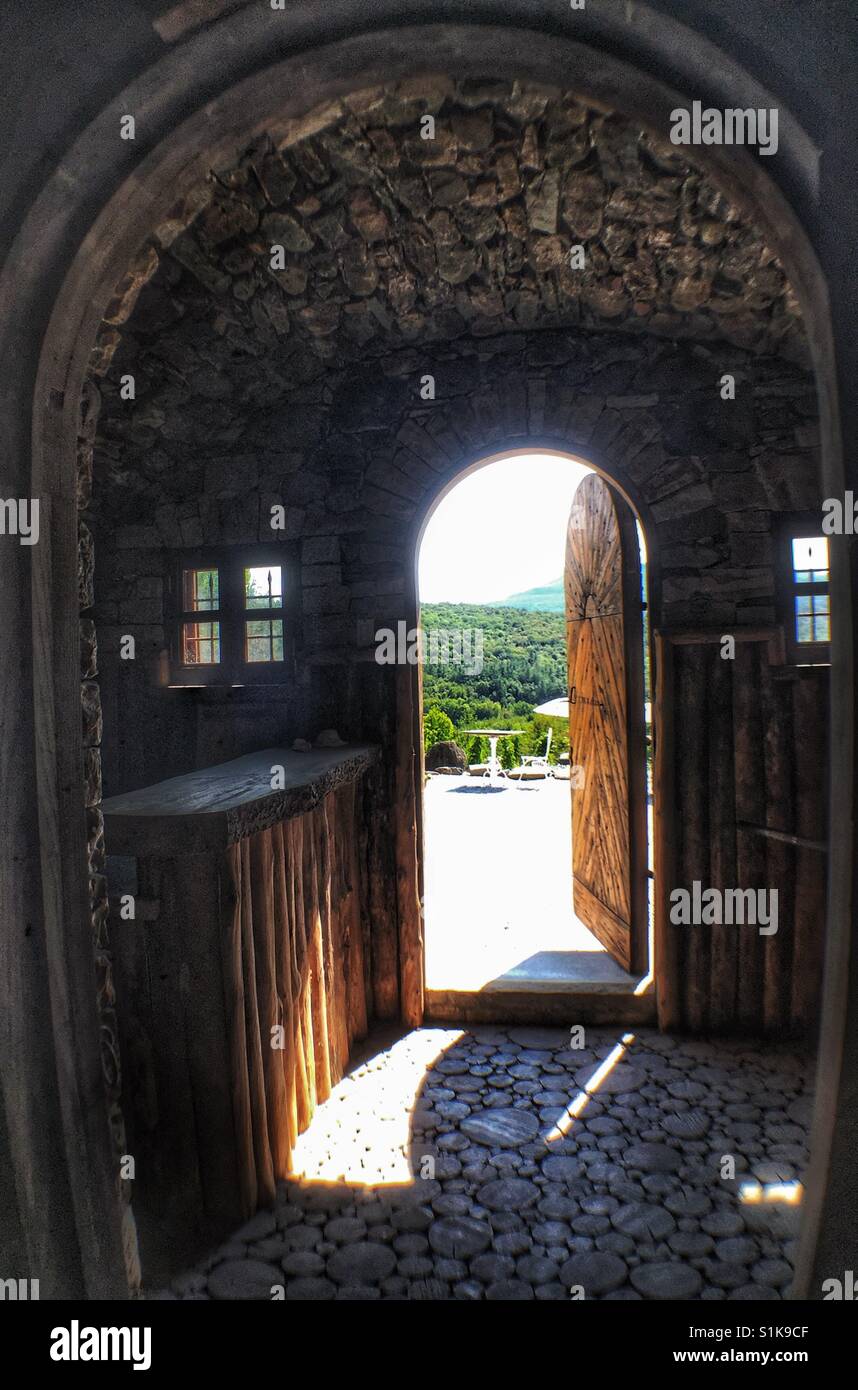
540, 760
534, 766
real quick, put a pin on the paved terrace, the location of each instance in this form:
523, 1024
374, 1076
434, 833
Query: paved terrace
498, 887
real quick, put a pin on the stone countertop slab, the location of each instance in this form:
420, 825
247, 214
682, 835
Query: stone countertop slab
210, 809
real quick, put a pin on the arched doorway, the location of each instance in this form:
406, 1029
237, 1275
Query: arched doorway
502, 937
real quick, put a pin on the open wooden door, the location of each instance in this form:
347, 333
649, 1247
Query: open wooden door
606, 721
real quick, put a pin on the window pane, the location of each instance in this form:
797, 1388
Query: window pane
263, 640
263, 587
810, 560
821, 618
201, 591
200, 644
812, 620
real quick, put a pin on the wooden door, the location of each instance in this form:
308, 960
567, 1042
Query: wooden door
606, 721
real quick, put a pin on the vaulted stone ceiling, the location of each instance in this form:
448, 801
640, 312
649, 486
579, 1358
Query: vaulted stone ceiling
394, 242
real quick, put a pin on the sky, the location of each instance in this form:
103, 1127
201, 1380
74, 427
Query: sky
499, 531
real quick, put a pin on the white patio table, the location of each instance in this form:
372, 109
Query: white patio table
495, 771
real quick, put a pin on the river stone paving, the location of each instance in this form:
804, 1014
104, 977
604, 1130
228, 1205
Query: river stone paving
500, 1164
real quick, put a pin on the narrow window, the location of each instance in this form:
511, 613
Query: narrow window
810, 577
805, 596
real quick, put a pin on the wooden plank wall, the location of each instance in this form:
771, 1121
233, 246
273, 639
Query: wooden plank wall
739, 743
287, 927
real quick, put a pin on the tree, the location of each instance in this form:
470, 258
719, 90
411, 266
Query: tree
478, 751
508, 754
437, 727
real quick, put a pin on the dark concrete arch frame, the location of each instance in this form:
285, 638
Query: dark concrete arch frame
79, 236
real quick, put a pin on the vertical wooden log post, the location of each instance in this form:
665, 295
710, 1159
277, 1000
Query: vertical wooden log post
231, 891
407, 886
811, 725
750, 809
665, 942
722, 835
286, 987
318, 991
692, 782
267, 928
256, 1070
306, 1097
780, 858
383, 898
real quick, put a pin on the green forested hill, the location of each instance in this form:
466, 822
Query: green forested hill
549, 598
524, 663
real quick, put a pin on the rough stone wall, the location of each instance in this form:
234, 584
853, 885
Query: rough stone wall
395, 232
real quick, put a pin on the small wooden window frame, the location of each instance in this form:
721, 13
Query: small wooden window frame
232, 614
790, 528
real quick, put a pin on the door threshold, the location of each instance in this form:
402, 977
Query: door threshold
543, 1001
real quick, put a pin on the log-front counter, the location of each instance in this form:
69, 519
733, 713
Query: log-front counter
242, 979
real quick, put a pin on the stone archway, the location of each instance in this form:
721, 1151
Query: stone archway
58, 871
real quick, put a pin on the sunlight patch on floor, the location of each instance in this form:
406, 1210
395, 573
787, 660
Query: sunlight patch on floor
577, 1106
790, 1193
362, 1133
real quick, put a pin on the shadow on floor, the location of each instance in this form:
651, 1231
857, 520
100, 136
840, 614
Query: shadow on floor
484, 790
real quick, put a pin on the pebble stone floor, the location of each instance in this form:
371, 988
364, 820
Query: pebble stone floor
499, 1163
